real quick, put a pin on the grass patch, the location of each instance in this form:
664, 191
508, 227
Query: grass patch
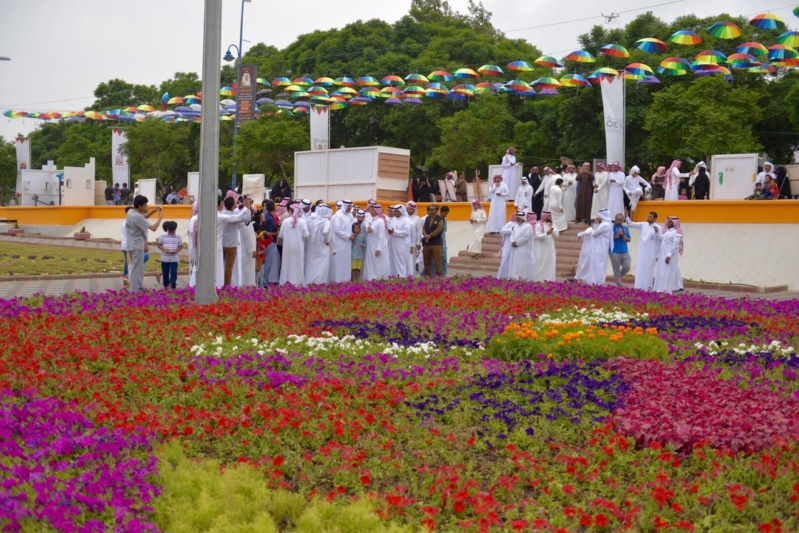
20, 259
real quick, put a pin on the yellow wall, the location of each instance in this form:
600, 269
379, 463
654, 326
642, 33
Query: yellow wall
71, 215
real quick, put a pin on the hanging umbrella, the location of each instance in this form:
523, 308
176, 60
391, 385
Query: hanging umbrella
294, 88
359, 100
281, 82
262, 101
548, 92
336, 106
14, 114
780, 51
317, 90
711, 56
573, 80
686, 37
227, 102
517, 85
319, 99
183, 109
393, 101
367, 81
175, 100
752, 48
465, 88
490, 70
546, 83
614, 50
438, 87
529, 92
413, 101
763, 69
344, 81
435, 94
675, 63
197, 108
192, 99
301, 104
263, 92
581, 56
740, 57
346, 91
370, 92
456, 96
414, 90
789, 38
416, 78
521, 66
466, 73
302, 110
606, 72
146, 107
262, 81
627, 75
548, 61
440, 75
388, 92
650, 80
651, 45
796, 11
227, 91
490, 87
767, 21
711, 70
284, 103
300, 94
672, 71
338, 98
724, 30
324, 81
392, 80
302, 81
638, 69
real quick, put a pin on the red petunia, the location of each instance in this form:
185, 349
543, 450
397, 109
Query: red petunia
601, 520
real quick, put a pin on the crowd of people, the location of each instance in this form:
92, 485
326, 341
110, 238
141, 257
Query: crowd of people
771, 184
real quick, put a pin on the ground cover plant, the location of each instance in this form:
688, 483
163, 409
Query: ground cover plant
448, 405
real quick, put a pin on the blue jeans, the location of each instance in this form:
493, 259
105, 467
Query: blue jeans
271, 252
125, 257
170, 272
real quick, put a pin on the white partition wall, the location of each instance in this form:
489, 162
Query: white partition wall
253, 186
149, 189
732, 176
41, 184
193, 185
79, 184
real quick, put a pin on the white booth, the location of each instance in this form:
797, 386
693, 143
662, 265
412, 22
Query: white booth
40, 187
79, 184
732, 176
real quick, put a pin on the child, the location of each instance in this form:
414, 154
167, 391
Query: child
170, 245
358, 250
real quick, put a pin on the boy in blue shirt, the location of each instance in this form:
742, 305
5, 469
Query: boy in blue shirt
620, 257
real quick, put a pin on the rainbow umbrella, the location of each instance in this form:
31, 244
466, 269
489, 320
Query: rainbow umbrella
685, 37
711, 70
546, 83
490, 70
531, 92
226, 117
436, 94
301, 104
778, 52
789, 38
14, 114
767, 21
320, 100
300, 94
638, 69
713, 57
650, 80
359, 100
671, 71
281, 81
521, 66
633, 76
437, 87
262, 81
651, 45
303, 81
134, 109
344, 81
614, 50
324, 81
94, 115
549, 91
345, 92
227, 91
413, 101
456, 96
318, 90
440, 75
190, 99
484, 90
792, 62
573, 80
548, 61
581, 56
370, 92
392, 80
144, 107
338, 98
367, 81
486, 85
336, 106
416, 78
465, 88
414, 90
175, 100
752, 48
606, 72
388, 92
517, 85
763, 69
740, 57
466, 73
393, 101
294, 89
675, 63
724, 30
302, 110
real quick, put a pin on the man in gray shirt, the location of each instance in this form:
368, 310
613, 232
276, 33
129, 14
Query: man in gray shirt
137, 226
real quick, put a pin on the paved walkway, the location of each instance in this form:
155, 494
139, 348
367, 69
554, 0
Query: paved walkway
72, 243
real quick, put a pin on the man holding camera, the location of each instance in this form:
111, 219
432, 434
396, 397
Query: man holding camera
137, 226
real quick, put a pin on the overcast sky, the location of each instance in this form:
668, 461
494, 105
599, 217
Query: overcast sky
61, 50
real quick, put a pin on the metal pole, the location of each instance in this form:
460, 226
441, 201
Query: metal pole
238, 90
209, 155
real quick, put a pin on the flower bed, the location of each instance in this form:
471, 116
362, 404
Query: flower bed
400, 405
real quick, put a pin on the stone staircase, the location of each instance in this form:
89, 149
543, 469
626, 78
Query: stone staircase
567, 251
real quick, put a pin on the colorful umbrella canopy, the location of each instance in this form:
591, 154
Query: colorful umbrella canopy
146, 107
581, 56
672, 71
392, 80
549, 91
740, 57
413, 101
262, 81
517, 85
344, 81
710, 56
789, 38
546, 83
650, 80
763, 69
767, 21
573, 80
780, 51
387, 92
303, 81
262, 101
464, 88
294, 89
414, 90
724, 30
752, 48
175, 100
520, 66
651, 45
359, 100
796, 11
367, 81
614, 50
466, 73
190, 99
318, 99
436, 94
490, 70
711, 70
437, 87
370, 92
336, 106
281, 81
675, 63
456, 96
639, 69
627, 75
227, 91
393, 101
605, 72
301, 104
324, 81
440, 75
263, 92
416, 78
530, 92
687, 37
318, 90
548, 61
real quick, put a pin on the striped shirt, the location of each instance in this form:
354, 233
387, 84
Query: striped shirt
170, 242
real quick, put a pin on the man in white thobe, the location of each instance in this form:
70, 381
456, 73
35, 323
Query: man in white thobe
632, 187
616, 190
556, 205
524, 197
584, 260
504, 264
570, 193
768, 170
317, 249
415, 238
648, 248
376, 260
600, 198
293, 234
496, 214
248, 252
341, 235
546, 184
398, 242
672, 182
521, 241
509, 171
545, 234
601, 239
669, 276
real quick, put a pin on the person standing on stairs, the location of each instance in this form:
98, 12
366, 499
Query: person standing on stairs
478, 222
545, 234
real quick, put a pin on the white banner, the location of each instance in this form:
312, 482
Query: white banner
613, 104
119, 162
23, 147
320, 128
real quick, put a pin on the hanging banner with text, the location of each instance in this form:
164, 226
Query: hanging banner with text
119, 162
613, 104
320, 128
246, 93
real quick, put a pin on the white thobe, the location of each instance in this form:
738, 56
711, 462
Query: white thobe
399, 246
761, 177
673, 188
419, 240
415, 239
546, 183
524, 198
223, 218
248, 247
341, 261
669, 276
600, 253
648, 246
376, 266
584, 261
520, 261
632, 186
570, 196
509, 174
496, 213
478, 220
317, 251
504, 264
557, 208
292, 264
192, 251
600, 199
545, 252
616, 193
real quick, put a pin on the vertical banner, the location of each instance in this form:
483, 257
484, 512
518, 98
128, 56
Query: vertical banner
23, 146
246, 93
120, 170
320, 128
613, 104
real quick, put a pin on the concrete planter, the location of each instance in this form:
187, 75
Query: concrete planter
16, 231
79, 236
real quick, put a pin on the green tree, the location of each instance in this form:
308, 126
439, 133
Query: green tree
181, 84
118, 93
8, 170
159, 150
267, 146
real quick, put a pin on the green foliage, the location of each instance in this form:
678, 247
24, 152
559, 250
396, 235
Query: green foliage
267, 145
182, 84
8, 170
118, 93
159, 150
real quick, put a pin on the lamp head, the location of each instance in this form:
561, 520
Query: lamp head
228, 56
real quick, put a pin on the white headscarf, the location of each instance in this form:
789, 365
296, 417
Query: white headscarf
401, 208
634, 169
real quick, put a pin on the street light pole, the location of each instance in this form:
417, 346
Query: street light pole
238, 90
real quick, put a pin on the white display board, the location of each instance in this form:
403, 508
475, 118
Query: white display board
253, 186
149, 189
193, 185
513, 186
732, 176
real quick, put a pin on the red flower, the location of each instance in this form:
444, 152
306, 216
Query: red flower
601, 520
458, 507
277, 461
568, 489
586, 520
429, 524
365, 480
188, 430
